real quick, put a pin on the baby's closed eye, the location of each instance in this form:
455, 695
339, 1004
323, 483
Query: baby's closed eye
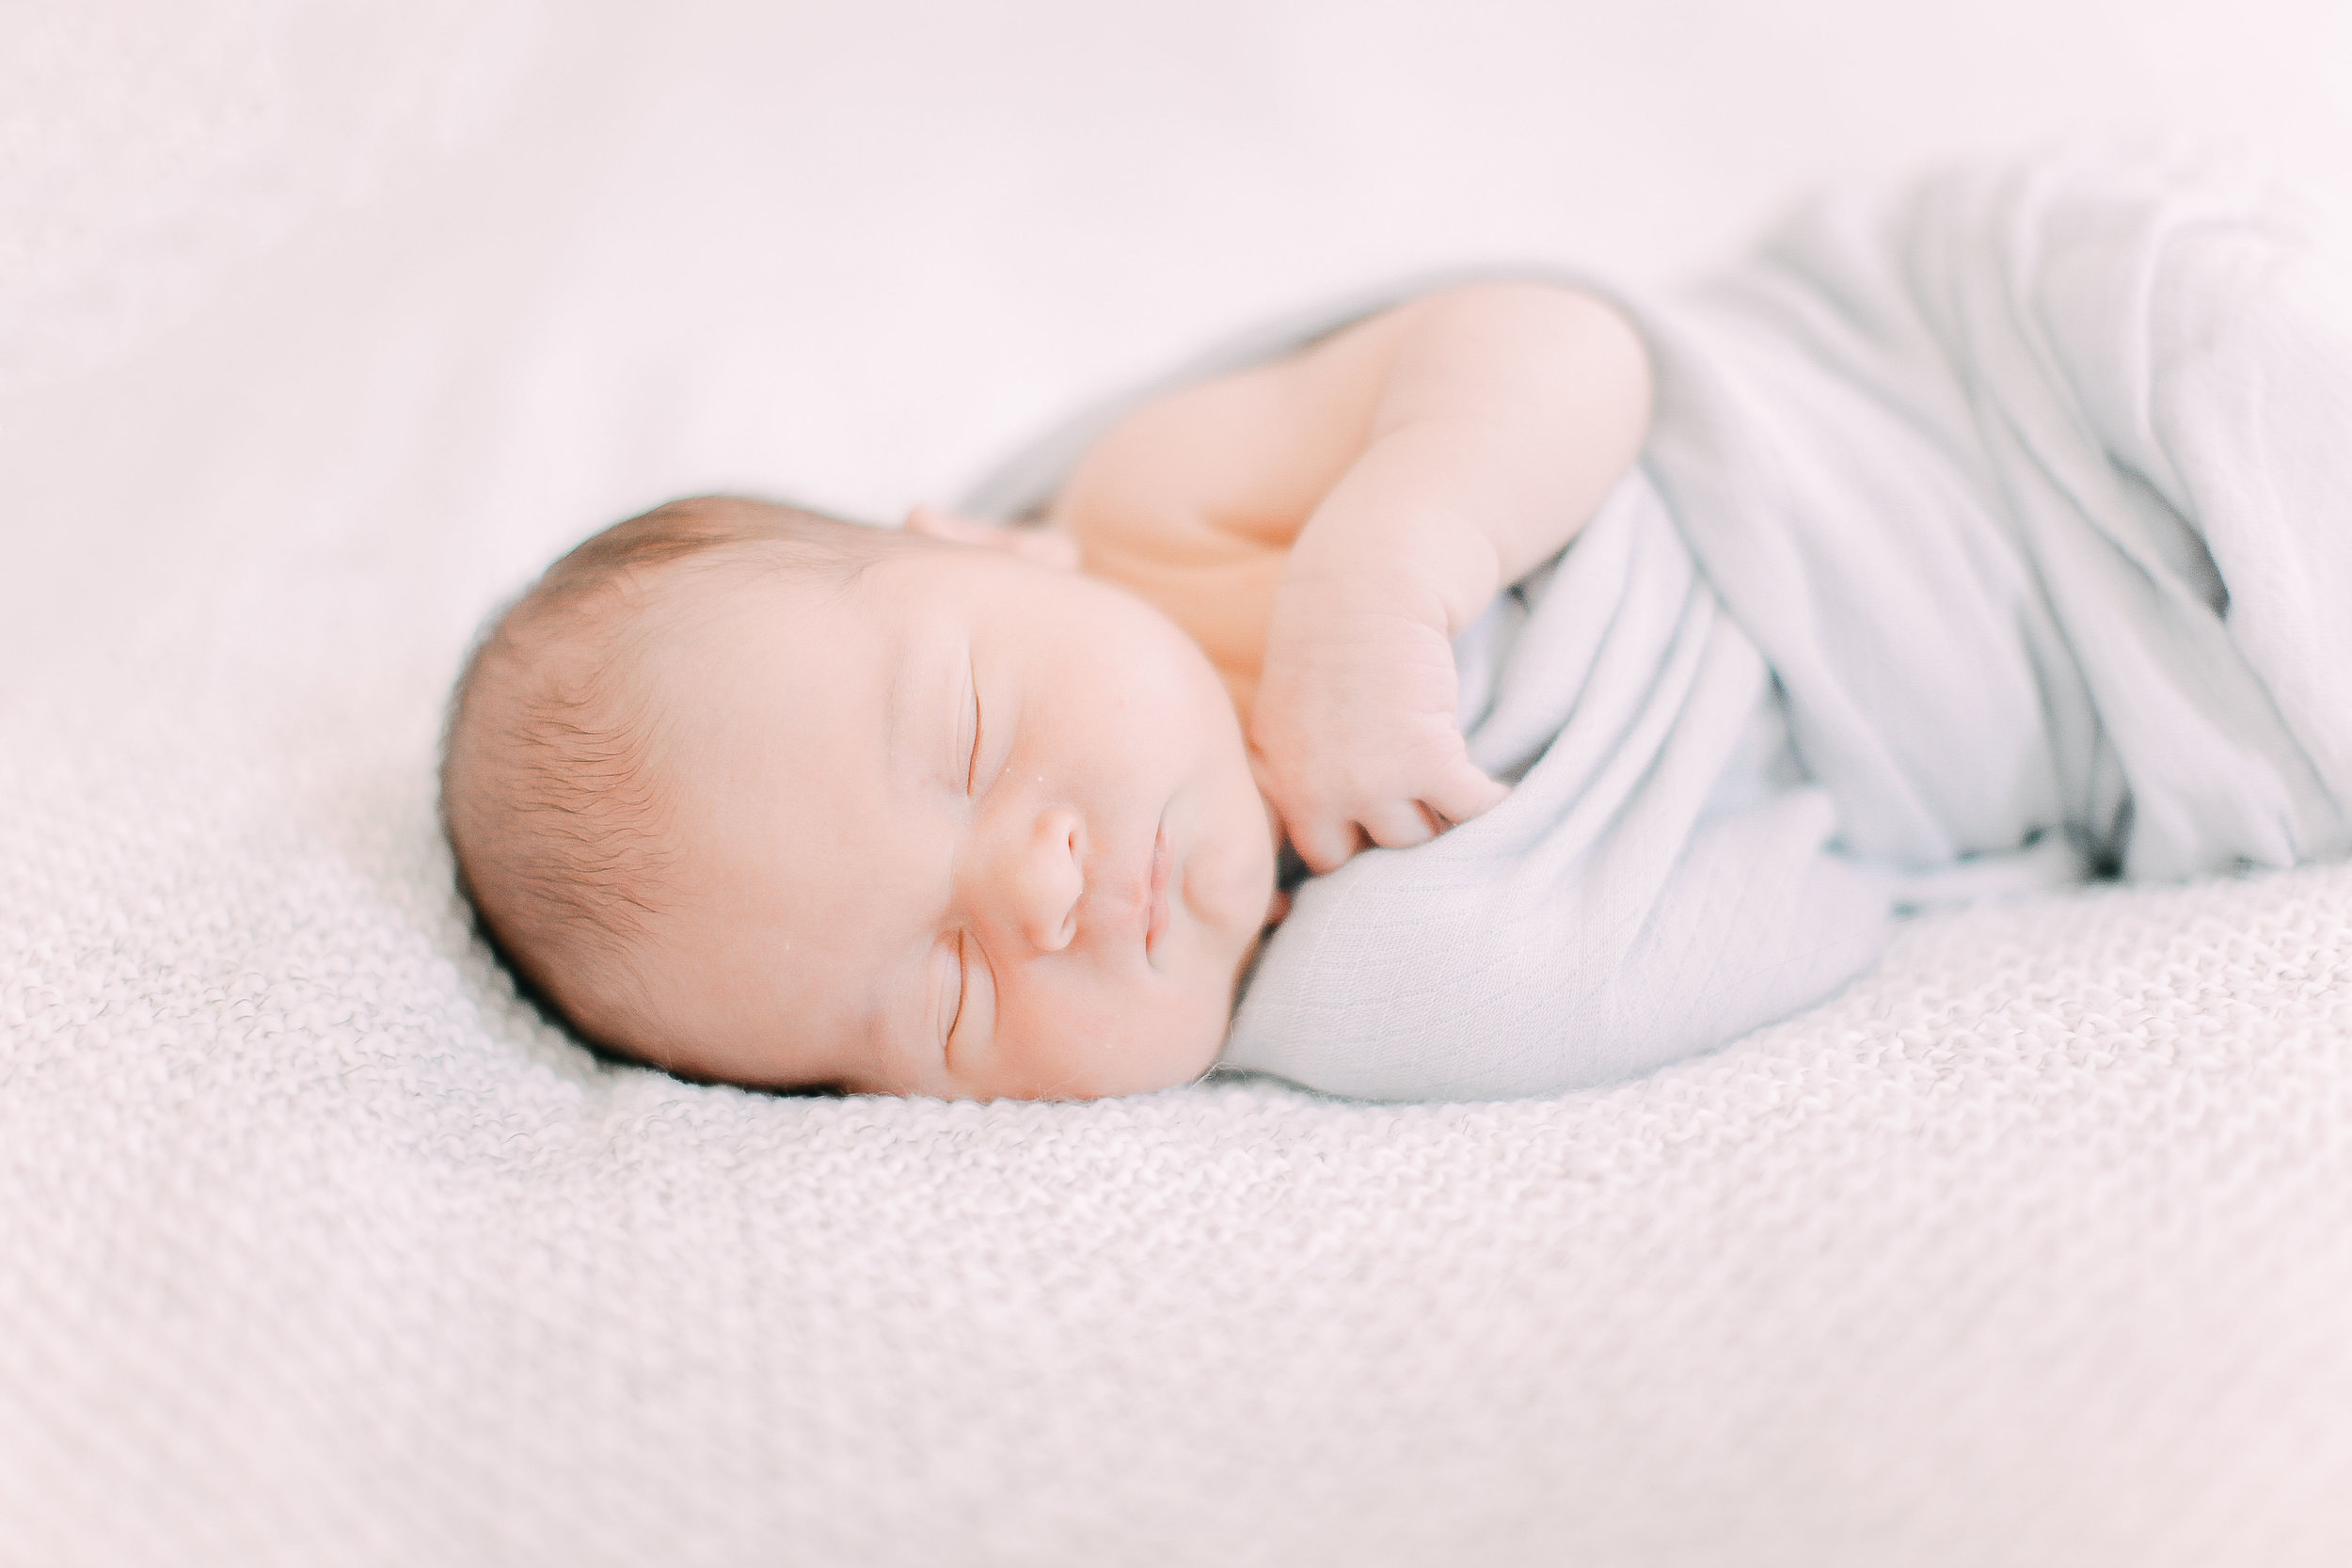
953, 988
972, 761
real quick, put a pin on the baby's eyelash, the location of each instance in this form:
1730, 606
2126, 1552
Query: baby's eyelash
964, 988
972, 769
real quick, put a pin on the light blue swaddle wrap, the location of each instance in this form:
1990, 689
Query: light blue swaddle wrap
1989, 536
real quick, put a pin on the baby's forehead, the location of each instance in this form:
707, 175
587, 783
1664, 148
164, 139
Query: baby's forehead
858, 610
780, 808
836, 656
760, 680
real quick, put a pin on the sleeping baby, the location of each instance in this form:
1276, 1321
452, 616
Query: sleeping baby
976, 810
1619, 671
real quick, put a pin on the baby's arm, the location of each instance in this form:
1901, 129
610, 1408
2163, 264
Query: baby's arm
1411, 466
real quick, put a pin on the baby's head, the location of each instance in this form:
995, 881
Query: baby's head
766, 797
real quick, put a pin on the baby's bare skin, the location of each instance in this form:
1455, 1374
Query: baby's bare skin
1325, 525
1321, 528
969, 827
996, 814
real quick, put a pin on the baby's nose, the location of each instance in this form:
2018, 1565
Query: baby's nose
1040, 879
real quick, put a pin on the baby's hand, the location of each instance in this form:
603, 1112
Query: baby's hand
1353, 731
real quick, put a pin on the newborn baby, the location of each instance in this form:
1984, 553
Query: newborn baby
973, 811
1986, 535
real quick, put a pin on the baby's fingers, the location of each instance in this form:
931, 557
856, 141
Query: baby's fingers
1400, 824
1324, 844
1465, 792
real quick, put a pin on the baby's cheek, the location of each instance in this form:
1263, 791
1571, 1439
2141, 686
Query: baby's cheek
1086, 1044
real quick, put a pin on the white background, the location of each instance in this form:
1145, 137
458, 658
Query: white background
290, 292
322, 325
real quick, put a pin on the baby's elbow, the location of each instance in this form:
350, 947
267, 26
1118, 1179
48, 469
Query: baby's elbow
1547, 332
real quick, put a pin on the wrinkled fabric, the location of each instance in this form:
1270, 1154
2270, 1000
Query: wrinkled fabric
1991, 535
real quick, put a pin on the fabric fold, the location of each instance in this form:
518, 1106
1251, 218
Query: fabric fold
1991, 533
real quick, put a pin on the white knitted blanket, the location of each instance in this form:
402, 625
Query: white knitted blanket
2035, 1246
2032, 1247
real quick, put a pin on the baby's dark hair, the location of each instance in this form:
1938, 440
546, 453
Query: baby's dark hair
551, 793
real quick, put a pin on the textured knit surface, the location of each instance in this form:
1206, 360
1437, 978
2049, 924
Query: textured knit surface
321, 327
2034, 1245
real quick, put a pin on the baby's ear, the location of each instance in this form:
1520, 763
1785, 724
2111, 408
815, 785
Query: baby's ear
1045, 545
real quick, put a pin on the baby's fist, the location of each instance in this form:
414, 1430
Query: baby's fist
1354, 736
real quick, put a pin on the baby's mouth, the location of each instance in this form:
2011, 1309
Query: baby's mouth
1155, 894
